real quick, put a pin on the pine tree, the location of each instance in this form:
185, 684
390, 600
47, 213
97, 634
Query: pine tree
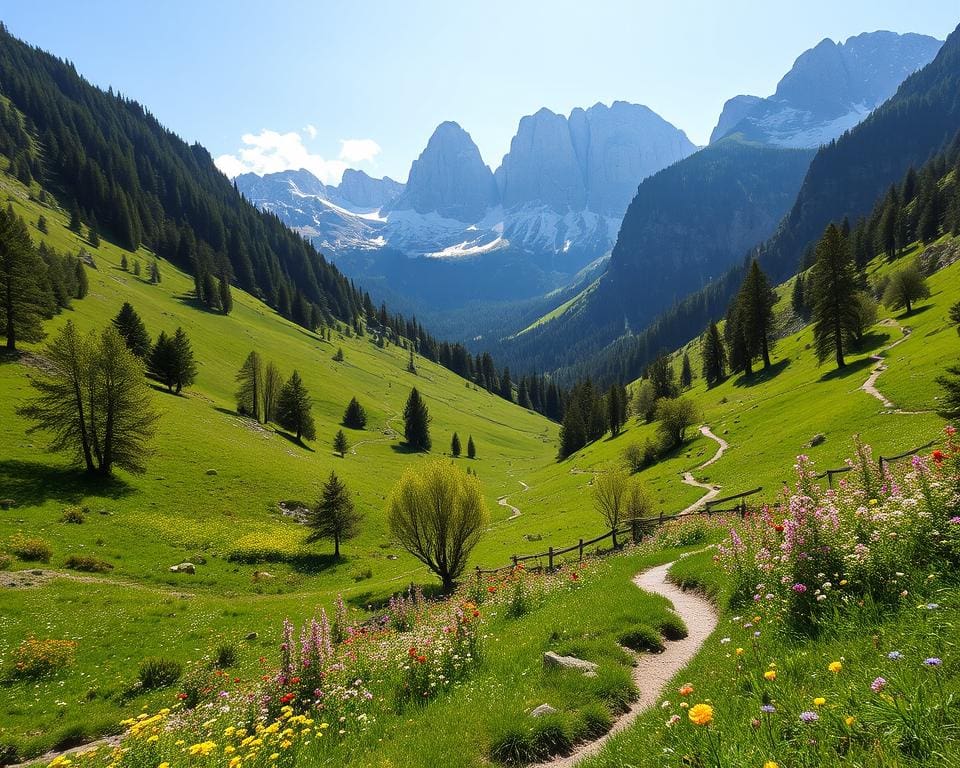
80, 275
660, 373
411, 366
338, 355
154, 273
354, 417
185, 370
954, 315
136, 267
797, 299
22, 272
714, 356
75, 224
294, 409
42, 224
614, 410
573, 432
272, 384
226, 297
340, 444
471, 448
416, 422
686, 374
160, 363
334, 517
506, 386
93, 237
133, 331
833, 287
755, 307
250, 392
950, 401
211, 292
455, 446
124, 264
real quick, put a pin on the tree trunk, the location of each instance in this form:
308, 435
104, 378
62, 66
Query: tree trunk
909, 308
336, 547
766, 353
448, 583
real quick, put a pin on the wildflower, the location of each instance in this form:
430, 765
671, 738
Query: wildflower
819, 701
894, 655
937, 457
203, 748
164, 765
933, 661
739, 651
849, 720
878, 685
768, 709
701, 714
686, 689
799, 588
770, 764
932, 606
770, 674
809, 717
835, 667
234, 762
674, 719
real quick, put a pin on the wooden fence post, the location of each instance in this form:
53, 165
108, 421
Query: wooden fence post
514, 558
550, 555
635, 530
581, 551
613, 534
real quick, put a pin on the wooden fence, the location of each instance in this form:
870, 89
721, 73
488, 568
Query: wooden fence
881, 461
636, 529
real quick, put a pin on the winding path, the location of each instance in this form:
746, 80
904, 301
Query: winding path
689, 479
654, 671
870, 385
389, 433
502, 501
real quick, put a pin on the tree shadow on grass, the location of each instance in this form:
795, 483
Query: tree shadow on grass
293, 439
762, 376
848, 370
405, 448
8, 356
914, 311
873, 341
31, 483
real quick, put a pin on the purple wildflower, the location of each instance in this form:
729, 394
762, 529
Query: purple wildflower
878, 685
809, 717
933, 661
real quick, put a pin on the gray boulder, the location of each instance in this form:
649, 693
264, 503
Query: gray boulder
183, 568
543, 709
553, 660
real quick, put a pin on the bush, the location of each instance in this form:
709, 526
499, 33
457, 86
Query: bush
675, 417
673, 628
639, 456
36, 658
642, 638
684, 532
551, 735
511, 746
87, 564
226, 656
362, 574
30, 549
75, 515
158, 673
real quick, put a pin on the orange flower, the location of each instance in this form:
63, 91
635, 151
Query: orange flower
686, 689
701, 714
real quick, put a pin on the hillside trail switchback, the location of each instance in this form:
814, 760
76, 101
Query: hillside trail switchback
870, 385
689, 479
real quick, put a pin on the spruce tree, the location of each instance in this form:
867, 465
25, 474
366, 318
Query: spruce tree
573, 432
797, 299
471, 448
661, 376
950, 401
416, 422
136, 267
75, 224
42, 224
455, 446
755, 307
226, 297
155, 272
250, 391
133, 331
185, 367
124, 264
334, 518
833, 287
354, 417
686, 374
83, 284
506, 386
93, 237
954, 315
211, 292
714, 356
22, 297
160, 363
614, 410
340, 444
294, 409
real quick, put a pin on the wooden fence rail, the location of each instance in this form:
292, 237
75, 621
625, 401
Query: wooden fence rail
829, 473
637, 529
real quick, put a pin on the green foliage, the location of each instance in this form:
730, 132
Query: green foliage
455, 446
156, 672
867, 309
714, 359
642, 638
171, 361
340, 444
355, 416
35, 658
250, 387
471, 448
226, 656
662, 378
416, 422
87, 564
31, 549
334, 516
833, 287
906, 287
22, 301
73, 514
294, 408
133, 331
755, 313
672, 627
675, 417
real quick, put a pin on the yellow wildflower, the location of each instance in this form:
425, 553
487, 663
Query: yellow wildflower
164, 765
770, 764
153, 739
849, 720
819, 701
229, 749
234, 762
275, 755
835, 666
770, 674
701, 714
203, 748
739, 651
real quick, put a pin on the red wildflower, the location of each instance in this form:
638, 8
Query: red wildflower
294, 680
574, 576
182, 696
422, 659
491, 589
412, 653
938, 457
778, 528
286, 698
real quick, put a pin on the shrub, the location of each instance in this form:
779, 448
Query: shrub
673, 628
36, 658
87, 564
362, 574
511, 746
639, 456
30, 549
75, 515
226, 656
158, 673
551, 735
642, 638
684, 532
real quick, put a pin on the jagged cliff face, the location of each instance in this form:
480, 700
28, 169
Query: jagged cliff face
449, 178
829, 89
360, 190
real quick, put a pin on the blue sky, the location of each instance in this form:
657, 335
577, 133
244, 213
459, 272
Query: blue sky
363, 84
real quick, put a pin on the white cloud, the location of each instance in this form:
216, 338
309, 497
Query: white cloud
271, 151
358, 150
311, 131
